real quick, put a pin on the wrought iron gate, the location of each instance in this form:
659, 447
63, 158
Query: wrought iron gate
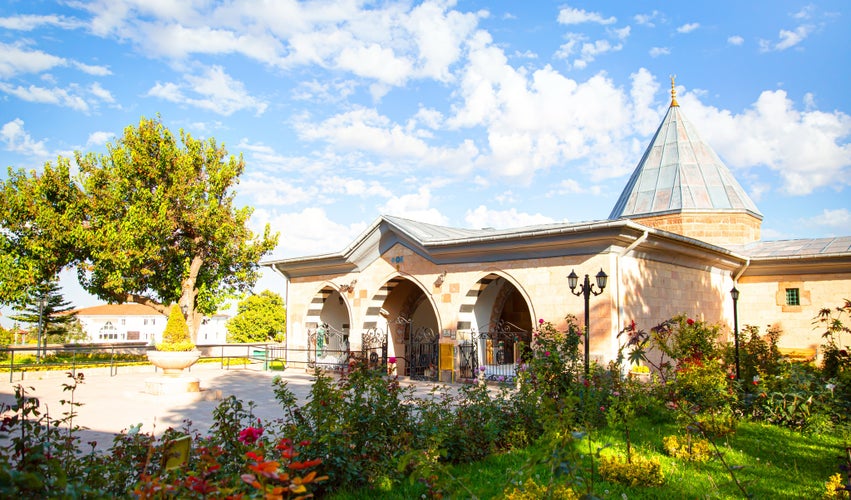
495, 352
374, 347
327, 348
423, 354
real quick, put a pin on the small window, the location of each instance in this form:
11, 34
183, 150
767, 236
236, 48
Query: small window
793, 297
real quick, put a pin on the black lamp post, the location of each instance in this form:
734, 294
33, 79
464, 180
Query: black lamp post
586, 290
735, 293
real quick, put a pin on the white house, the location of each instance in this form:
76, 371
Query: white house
138, 323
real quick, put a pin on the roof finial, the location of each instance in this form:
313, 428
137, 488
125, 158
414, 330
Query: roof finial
674, 92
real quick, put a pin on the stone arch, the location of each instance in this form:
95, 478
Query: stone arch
466, 313
373, 317
313, 316
401, 307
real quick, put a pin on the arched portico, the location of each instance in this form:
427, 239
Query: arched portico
328, 322
495, 327
404, 309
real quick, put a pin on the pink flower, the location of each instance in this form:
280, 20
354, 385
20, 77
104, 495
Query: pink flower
616, 394
541, 321
250, 435
391, 360
547, 353
602, 408
690, 321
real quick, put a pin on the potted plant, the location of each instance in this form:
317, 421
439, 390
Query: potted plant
176, 351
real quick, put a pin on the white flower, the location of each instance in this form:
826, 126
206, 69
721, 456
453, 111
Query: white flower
830, 387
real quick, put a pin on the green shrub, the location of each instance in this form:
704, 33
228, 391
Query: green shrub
176, 334
639, 472
687, 448
702, 383
530, 490
835, 488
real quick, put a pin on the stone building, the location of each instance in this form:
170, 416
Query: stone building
448, 300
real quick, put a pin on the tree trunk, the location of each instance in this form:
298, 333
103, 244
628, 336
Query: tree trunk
188, 295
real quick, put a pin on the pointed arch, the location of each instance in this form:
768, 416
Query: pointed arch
467, 308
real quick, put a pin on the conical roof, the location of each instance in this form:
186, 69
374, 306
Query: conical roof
679, 172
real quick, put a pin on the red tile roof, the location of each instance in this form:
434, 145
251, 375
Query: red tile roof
118, 310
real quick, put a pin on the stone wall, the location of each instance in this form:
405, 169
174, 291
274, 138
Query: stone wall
762, 303
734, 228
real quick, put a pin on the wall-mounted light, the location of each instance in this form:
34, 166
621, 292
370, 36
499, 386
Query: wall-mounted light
348, 288
440, 277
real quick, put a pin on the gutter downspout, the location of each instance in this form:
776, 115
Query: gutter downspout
286, 312
619, 272
742, 271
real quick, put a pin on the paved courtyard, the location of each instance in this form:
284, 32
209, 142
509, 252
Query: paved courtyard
114, 403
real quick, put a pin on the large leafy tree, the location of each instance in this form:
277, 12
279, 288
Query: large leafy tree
40, 215
151, 221
161, 226
259, 318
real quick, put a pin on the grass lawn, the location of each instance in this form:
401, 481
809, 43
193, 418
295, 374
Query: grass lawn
776, 463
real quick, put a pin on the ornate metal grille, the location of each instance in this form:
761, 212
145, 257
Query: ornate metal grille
495, 352
423, 354
327, 348
374, 347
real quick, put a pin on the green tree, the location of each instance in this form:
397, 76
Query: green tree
161, 226
55, 315
259, 318
40, 226
151, 221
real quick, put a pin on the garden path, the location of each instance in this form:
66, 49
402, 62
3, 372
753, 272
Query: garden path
111, 404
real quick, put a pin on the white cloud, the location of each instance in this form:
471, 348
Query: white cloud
269, 190
31, 22
99, 138
216, 91
735, 40
101, 93
16, 59
389, 43
60, 97
306, 232
806, 148
787, 39
366, 130
16, 139
414, 206
647, 19
482, 217
659, 51
839, 218
541, 119
569, 15
92, 69
324, 92
688, 27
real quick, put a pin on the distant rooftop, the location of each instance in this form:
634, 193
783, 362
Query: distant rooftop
680, 172
128, 309
796, 248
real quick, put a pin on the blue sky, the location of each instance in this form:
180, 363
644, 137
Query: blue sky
467, 114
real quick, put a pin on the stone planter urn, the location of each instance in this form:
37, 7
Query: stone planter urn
172, 363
